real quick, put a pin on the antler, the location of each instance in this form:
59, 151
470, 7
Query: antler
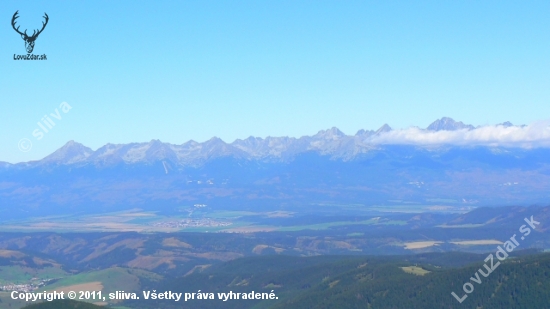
13, 24
43, 25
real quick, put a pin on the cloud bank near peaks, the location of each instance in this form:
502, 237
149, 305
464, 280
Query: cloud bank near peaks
534, 135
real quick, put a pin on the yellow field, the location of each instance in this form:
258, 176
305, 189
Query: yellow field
259, 248
11, 254
421, 244
90, 286
119, 222
199, 268
173, 242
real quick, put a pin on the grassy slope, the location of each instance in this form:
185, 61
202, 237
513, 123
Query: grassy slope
21, 274
112, 279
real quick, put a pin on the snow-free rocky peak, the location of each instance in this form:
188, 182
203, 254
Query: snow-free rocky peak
448, 124
71, 152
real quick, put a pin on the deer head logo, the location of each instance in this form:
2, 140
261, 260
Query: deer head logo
29, 40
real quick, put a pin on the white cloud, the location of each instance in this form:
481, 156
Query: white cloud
534, 135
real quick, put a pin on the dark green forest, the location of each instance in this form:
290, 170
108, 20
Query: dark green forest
339, 282
368, 282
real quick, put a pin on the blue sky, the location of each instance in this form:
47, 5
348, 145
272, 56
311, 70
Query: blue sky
133, 71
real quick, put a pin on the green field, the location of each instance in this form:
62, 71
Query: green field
324, 226
138, 220
415, 270
21, 274
112, 279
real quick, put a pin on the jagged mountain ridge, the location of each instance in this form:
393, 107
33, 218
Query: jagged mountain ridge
327, 167
332, 142
448, 124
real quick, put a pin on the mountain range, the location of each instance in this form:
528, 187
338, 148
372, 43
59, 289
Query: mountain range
327, 168
332, 142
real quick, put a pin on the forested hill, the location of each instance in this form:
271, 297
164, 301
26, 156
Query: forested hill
369, 282
336, 282
518, 283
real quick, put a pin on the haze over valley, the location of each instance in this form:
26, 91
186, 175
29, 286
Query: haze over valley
269, 155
